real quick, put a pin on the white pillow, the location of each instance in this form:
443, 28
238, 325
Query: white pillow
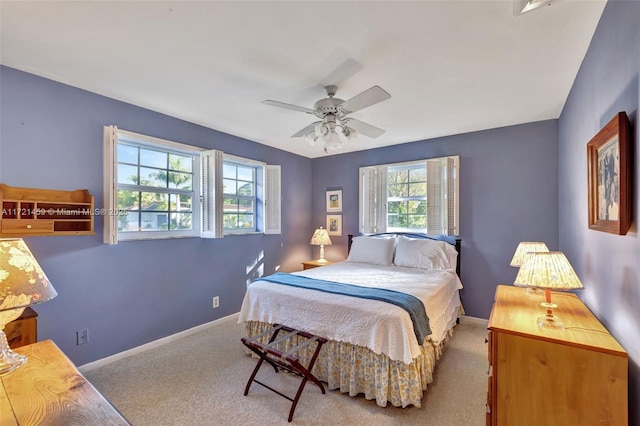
425, 254
377, 251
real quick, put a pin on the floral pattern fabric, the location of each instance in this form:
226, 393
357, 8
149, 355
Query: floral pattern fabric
358, 370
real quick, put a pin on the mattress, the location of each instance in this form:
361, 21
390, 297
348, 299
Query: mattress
379, 326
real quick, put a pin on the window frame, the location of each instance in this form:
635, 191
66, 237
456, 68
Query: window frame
407, 166
207, 208
258, 170
168, 147
442, 208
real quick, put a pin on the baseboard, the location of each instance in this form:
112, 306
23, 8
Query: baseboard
480, 322
151, 345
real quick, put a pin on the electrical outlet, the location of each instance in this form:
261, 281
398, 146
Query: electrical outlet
82, 336
216, 302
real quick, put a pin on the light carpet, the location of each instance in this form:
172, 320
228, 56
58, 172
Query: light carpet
200, 379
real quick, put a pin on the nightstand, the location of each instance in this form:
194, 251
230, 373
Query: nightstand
23, 330
310, 264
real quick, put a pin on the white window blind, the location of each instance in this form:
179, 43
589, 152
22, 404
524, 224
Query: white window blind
373, 199
211, 164
110, 185
442, 189
436, 207
453, 195
272, 200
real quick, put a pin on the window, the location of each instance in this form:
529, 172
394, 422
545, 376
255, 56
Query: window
162, 189
155, 190
240, 187
417, 196
239, 199
407, 197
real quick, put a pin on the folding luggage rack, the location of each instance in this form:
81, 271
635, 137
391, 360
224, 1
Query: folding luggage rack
288, 361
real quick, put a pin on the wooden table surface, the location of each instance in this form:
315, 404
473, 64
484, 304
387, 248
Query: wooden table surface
49, 390
516, 313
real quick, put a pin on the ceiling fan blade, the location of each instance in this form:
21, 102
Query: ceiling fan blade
363, 128
367, 98
342, 73
306, 130
288, 106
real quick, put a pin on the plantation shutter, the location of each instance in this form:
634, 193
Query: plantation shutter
110, 182
452, 196
211, 169
442, 196
373, 200
436, 205
272, 200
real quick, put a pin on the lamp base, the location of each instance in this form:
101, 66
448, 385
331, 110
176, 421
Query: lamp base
9, 360
322, 259
550, 321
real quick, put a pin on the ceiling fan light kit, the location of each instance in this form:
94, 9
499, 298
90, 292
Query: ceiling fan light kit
331, 135
335, 128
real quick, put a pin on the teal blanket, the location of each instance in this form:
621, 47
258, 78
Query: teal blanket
411, 304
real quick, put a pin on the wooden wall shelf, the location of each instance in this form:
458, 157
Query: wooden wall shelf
45, 212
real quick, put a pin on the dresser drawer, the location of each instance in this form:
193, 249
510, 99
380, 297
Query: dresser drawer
26, 226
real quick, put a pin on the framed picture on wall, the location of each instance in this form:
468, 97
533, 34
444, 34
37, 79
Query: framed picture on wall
334, 201
609, 177
334, 224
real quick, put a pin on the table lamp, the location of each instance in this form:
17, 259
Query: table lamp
548, 271
321, 238
22, 283
524, 248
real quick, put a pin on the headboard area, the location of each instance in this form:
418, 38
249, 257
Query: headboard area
456, 242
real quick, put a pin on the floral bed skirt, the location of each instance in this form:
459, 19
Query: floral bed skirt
358, 370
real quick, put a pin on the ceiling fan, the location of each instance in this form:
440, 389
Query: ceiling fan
335, 126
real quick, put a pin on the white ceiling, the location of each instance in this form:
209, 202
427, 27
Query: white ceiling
450, 66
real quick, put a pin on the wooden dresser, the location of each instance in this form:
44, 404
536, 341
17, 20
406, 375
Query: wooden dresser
550, 377
49, 390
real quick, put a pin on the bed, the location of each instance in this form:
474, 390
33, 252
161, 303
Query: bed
375, 348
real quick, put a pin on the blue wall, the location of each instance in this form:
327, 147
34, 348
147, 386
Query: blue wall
609, 265
134, 292
508, 194
526, 182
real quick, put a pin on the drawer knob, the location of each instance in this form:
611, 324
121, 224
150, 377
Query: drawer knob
28, 226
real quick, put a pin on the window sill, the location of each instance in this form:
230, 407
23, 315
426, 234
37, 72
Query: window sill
236, 234
175, 237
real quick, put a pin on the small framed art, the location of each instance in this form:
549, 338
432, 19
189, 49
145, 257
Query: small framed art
334, 224
609, 177
334, 201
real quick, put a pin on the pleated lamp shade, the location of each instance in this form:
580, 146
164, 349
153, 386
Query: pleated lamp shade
524, 248
547, 270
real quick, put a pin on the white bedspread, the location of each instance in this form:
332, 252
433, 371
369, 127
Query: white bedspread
380, 326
